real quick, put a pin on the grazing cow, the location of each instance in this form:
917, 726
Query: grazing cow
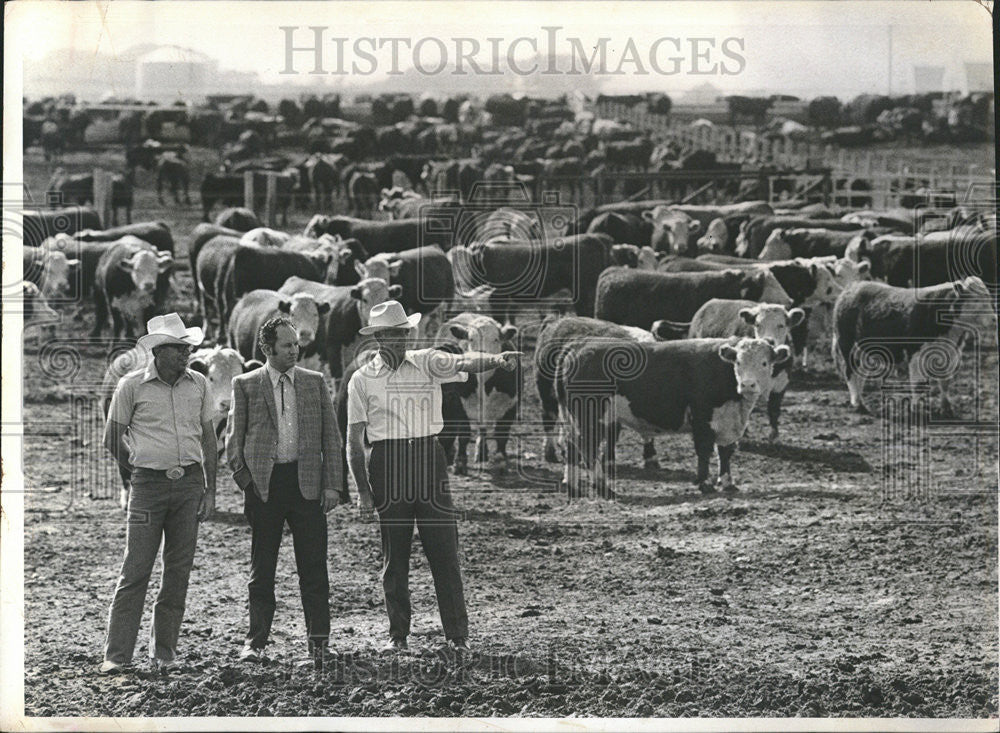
37, 225
238, 218
773, 323
556, 337
877, 326
258, 306
425, 276
930, 259
264, 237
672, 230
711, 384
51, 270
637, 298
349, 310
79, 189
523, 272
132, 281
756, 230
211, 264
157, 233
484, 405
266, 268
383, 236
806, 282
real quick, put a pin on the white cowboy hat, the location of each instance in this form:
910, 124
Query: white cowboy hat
389, 314
169, 329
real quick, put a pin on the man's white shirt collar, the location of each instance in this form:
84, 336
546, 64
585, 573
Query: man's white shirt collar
275, 375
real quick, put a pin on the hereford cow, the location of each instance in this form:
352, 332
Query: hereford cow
131, 283
257, 307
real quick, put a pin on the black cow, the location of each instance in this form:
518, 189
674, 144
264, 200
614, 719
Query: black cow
522, 272
157, 233
931, 259
713, 384
623, 228
878, 326
211, 263
79, 189
785, 244
226, 190
754, 234
382, 236
37, 226
239, 218
362, 193
424, 273
631, 297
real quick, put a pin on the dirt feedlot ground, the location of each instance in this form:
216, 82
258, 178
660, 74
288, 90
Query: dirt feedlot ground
834, 583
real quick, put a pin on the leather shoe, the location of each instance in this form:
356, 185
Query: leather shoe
249, 654
160, 666
396, 644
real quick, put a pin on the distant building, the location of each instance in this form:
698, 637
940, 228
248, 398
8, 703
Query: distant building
928, 79
169, 73
978, 77
702, 94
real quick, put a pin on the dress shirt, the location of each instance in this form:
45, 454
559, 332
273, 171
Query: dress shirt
288, 420
163, 421
405, 403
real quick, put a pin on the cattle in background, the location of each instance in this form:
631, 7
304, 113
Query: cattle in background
711, 384
347, 253
755, 232
623, 228
131, 283
51, 271
362, 194
223, 189
518, 273
744, 318
321, 177
628, 255
448, 177
266, 268
264, 237
785, 244
382, 236
506, 224
38, 225
556, 338
350, 307
637, 297
424, 274
256, 307
930, 259
36, 313
238, 218
212, 261
78, 188
485, 404
172, 171
157, 233
878, 326
806, 283
672, 230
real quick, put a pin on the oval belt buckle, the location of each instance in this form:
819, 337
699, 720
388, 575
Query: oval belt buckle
175, 473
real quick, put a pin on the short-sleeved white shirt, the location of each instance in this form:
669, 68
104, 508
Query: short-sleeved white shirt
405, 403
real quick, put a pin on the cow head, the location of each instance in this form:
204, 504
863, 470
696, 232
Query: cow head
57, 273
304, 313
370, 292
647, 258
973, 306
145, 266
319, 224
772, 322
477, 332
716, 237
328, 256
776, 247
383, 266
625, 255
752, 361
220, 366
827, 288
846, 271
671, 229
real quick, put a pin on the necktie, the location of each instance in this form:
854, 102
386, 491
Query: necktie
281, 381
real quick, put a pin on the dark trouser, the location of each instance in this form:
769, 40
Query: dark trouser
308, 524
409, 479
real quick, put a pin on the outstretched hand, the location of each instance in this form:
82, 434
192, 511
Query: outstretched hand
510, 359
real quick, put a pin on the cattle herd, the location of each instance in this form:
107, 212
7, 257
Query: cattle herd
659, 315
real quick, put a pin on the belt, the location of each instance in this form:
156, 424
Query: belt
404, 441
175, 473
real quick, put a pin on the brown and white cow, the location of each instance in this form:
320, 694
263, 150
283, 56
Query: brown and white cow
258, 306
131, 283
672, 230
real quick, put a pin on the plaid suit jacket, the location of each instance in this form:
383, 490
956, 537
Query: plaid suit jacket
252, 433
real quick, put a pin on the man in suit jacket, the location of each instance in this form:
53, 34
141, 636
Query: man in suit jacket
283, 445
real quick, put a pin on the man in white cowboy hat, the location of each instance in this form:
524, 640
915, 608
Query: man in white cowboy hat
395, 400
160, 431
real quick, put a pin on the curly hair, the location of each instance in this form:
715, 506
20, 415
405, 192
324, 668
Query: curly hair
268, 333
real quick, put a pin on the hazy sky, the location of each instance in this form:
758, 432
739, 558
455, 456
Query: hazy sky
839, 46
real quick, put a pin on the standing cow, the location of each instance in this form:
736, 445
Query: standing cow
131, 284
255, 308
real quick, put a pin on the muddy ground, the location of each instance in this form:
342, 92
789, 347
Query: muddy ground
854, 574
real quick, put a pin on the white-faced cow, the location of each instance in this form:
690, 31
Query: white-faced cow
672, 230
132, 282
258, 306
710, 384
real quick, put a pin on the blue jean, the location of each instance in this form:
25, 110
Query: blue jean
158, 508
